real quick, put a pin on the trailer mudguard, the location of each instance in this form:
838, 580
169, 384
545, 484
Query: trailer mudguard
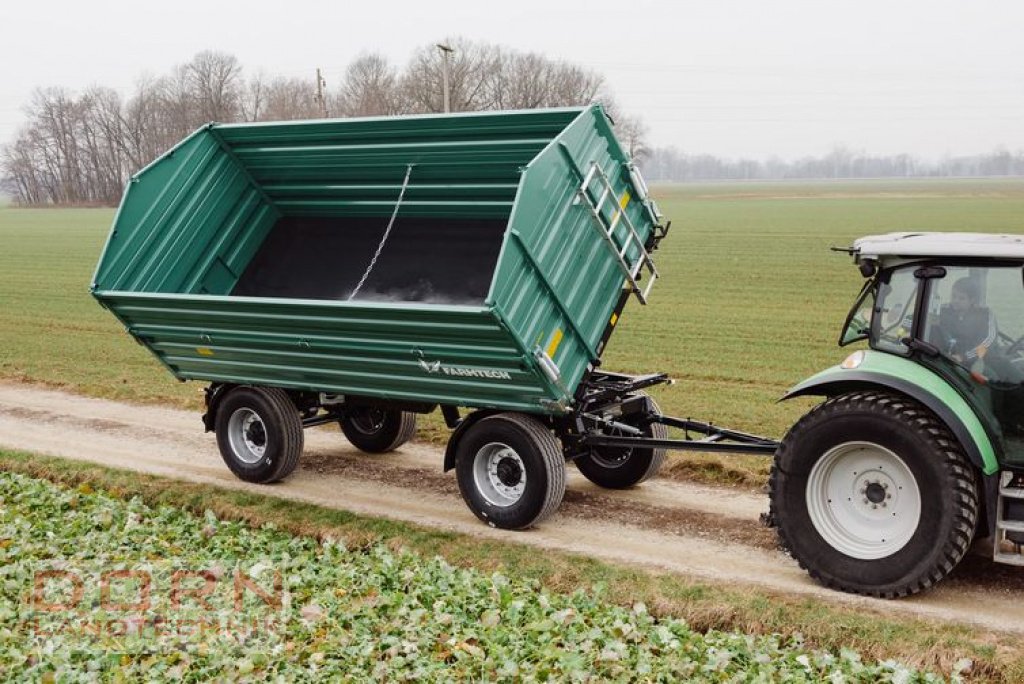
866, 369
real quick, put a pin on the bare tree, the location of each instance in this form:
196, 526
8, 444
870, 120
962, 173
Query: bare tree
82, 148
632, 133
369, 88
253, 98
215, 82
289, 98
470, 66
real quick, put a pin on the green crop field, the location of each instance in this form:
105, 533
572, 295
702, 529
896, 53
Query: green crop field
751, 299
350, 614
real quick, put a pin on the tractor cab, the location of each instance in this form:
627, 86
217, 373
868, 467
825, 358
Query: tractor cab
953, 303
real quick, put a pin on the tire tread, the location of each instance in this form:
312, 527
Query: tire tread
964, 489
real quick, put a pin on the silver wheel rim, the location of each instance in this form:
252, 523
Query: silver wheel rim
499, 474
863, 500
248, 436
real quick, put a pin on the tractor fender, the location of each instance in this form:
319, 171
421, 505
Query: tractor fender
881, 370
464, 425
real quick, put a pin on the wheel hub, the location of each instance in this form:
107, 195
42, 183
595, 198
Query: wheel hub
247, 435
255, 434
863, 500
509, 473
876, 492
499, 474
368, 421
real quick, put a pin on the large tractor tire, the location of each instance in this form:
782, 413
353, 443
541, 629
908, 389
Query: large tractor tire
619, 468
259, 433
376, 430
873, 495
511, 470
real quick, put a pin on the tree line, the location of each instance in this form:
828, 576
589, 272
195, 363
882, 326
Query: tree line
81, 148
670, 164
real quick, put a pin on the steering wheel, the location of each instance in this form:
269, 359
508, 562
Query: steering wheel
1015, 345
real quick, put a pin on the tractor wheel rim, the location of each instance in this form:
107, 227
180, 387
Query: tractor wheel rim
863, 500
499, 474
248, 436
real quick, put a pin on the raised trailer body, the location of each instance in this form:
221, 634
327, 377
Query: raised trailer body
365, 270
233, 256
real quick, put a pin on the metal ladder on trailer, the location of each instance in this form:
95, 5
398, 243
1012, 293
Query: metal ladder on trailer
620, 247
1009, 490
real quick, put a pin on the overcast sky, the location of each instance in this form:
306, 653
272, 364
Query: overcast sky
750, 78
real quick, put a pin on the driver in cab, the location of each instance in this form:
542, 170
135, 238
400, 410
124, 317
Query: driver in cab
966, 331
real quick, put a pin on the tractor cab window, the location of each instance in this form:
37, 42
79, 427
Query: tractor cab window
894, 310
975, 318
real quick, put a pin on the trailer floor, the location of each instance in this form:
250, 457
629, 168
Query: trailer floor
708, 533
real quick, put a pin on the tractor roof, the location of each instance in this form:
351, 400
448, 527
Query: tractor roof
939, 245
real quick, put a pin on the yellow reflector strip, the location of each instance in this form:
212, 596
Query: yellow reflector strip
615, 318
204, 351
618, 212
556, 340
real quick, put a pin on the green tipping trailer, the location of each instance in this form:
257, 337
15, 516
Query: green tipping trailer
365, 270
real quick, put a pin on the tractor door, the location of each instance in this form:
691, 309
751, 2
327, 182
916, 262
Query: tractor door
974, 316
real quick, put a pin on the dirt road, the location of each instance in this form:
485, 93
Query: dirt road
704, 532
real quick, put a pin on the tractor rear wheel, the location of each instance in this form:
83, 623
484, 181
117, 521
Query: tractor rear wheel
873, 495
621, 468
511, 470
377, 430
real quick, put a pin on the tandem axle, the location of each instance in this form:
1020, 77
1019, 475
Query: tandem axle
510, 466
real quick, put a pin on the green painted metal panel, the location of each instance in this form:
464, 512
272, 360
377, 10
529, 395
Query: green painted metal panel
192, 221
556, 278
905, 370
338, 347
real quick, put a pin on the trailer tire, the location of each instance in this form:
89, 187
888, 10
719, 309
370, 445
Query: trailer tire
616, 468
259, 433
912, 504
511, 470
376, 430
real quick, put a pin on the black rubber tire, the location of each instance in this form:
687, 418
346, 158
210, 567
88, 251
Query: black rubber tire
945, 478
631, 467
543, 465
283, 433
391, 428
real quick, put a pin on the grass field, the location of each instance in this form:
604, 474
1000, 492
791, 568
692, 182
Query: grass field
751, 299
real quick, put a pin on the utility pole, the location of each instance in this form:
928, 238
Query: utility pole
321, 103
445, 51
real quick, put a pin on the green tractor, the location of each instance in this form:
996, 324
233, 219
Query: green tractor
918, 448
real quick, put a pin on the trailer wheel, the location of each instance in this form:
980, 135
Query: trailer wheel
511, 470
376, 430
259, 433
873, 495
617, 468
